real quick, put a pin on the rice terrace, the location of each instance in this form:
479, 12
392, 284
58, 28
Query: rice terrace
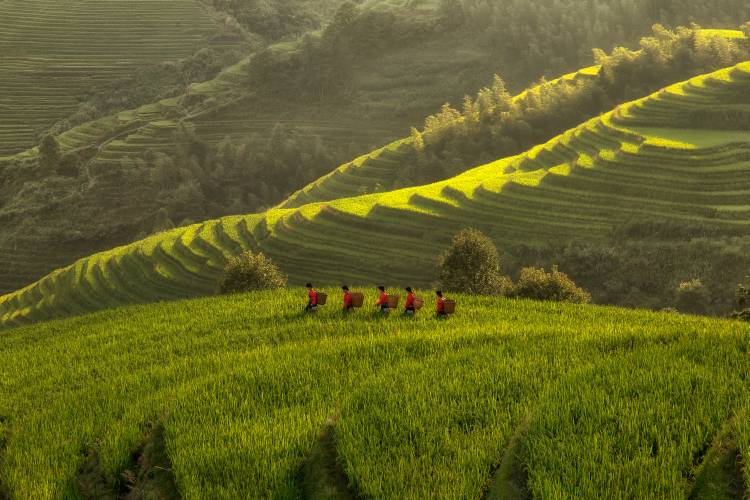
481, 249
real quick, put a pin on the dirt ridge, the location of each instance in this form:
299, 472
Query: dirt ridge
322, 475
148, 474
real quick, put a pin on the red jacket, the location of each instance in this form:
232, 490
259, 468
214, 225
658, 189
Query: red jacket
347, 300
313, 295
409, 301
383, 300
440, 305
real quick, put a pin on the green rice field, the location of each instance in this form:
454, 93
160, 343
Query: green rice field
249, 398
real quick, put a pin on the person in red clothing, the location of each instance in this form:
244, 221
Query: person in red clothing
382, 300
440, 306
348, 304
409, 304
312, 299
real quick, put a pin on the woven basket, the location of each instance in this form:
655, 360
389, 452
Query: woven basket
393, 301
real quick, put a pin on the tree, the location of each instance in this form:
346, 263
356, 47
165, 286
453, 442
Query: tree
555, 286
742, 297
49, 153
250, 271
472, 265
693, 297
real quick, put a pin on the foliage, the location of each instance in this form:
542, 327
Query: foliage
226, 377
693, 297
555, 286
742, 297
49, 153
250, 271
471, 265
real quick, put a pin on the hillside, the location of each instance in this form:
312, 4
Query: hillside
678, 158
352, 80
493, 124
52, 53
244, 397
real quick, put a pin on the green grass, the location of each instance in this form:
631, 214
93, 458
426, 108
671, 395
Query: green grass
596, 401
577, 186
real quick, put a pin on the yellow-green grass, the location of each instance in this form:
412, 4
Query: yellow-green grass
54, 52
595, 402
577, 187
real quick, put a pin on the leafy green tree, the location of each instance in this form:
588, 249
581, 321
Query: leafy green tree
472, 265
742, 296
554, 286
250, 271
693, 297
49, 153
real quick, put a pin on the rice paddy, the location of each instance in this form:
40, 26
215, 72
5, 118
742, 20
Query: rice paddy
51, 53
507, 396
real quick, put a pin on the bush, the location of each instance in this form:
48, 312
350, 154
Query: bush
693, 297
471, 265
538, 284
743, 301
250, 271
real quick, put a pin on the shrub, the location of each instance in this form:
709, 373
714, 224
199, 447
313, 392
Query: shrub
743, 301
250, 271
471, 265
693, 297
538, 284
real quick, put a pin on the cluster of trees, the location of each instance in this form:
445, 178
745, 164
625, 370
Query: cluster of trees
471, 264
236, 176
158, 190
322, 65
277, 19
557, 34
625, 273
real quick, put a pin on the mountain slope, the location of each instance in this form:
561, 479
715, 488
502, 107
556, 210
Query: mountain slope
242, 141
388, 167
680, 155
366, 173
241, 388
53, 52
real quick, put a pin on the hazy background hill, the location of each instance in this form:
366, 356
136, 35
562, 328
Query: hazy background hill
237, 104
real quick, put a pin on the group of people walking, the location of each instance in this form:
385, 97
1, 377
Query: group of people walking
385, 302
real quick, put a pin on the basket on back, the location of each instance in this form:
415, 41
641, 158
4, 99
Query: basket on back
450, 306
393, 301
358, 299
418, 303
322, 298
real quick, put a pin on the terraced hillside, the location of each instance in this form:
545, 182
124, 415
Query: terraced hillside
366, 173
371, 172
232, 397
52, 52
648, 158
